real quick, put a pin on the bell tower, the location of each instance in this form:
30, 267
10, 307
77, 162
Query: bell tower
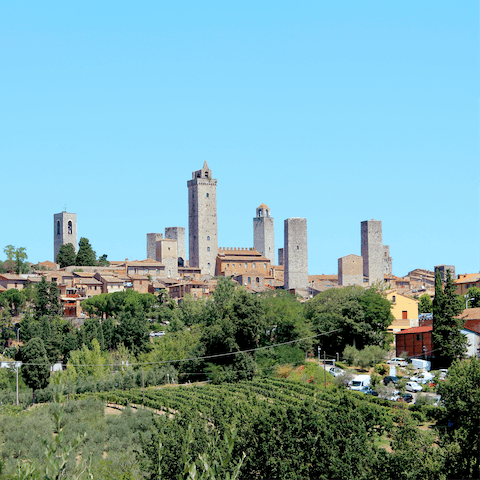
263, 233
64, 231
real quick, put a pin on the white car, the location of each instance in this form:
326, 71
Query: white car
422, 378
413, 387
400, 362
336, 371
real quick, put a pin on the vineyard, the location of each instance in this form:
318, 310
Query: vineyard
205, 398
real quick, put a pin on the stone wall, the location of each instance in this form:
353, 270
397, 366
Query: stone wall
280, 256
296, 254
443, 271
167, 254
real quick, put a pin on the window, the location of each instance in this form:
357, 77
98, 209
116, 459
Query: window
208, 249
146, 270
70, 227
265, 266
393, 298
206, 174
249, 279
298, 248
246, 266
253, 265
208, 265
208, 195
258, 280
419, 337
58, 227
208, 238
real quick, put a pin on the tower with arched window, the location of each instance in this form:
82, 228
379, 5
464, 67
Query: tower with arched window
202, 221
263, 233
64, 231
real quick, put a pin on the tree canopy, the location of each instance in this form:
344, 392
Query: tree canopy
448, 341
85, 256
66, 255
36, 367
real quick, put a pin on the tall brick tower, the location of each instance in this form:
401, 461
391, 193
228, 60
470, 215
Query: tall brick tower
202, 221
373, 251
64, 231
296, 254
263, 234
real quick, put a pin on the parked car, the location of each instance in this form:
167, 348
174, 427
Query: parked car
369, 391
407, 398
336, 371
390, 379
413, 387
399, 362
423, 378
359, 382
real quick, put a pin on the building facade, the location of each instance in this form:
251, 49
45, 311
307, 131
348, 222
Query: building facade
263, 233
64, 231
202, 221
295, 254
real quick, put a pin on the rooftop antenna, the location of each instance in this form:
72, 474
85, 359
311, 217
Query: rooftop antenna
65, 208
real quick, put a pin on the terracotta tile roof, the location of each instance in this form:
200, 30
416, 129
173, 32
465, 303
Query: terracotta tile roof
473, 325
144, 263
468, 278
135, 276
12, 276
416, 330
83, 274
470, 314
111, 279
87, 281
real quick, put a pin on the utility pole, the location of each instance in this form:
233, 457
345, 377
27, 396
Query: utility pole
143, 390
319, 350
324, 369
17, 363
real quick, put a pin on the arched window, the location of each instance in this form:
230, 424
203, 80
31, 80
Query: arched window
208, 195
253, 265
208, 265
58, 227
258, 280
246, 266
249, 279
70, 227
208, 249
208, 238
206, 174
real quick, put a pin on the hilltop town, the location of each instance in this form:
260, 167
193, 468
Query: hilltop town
257, 268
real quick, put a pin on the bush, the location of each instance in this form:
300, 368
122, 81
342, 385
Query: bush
381, 369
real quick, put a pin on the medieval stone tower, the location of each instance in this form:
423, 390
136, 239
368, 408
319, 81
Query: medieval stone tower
178, 234
376, 256
296, 254
202, 221
64, 231
263, 234
152, 239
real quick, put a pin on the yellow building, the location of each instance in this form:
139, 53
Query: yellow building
405, 311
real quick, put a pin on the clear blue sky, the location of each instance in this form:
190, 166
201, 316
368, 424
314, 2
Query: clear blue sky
334, 111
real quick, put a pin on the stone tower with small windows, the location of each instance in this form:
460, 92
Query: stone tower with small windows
376, 257
202, 221
295, 254
263, 233
64, 231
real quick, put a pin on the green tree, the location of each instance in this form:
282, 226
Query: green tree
36, 367
14, 300
85, 256
16, 258
87, 362
425, 304
132, 331
474, 292
448, 341
66, 255
47, 299
357, 316
460, 437
102, 261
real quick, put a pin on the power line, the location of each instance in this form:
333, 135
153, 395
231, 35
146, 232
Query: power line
192, 358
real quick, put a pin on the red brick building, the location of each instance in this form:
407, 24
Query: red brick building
416, 341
